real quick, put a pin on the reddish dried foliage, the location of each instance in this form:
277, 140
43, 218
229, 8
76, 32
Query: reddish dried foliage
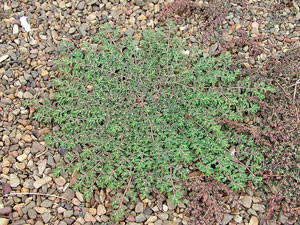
207, 200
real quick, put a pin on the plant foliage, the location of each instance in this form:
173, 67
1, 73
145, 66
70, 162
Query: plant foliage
137, 113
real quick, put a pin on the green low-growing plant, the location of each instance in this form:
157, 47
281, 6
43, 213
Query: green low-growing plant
134, 114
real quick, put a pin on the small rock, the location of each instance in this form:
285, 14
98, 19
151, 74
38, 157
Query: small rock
69, 194
31, 213
151, 219
41, 166
165, 208
140, 3
142, 17
28, 183
5, 210
93, 211
139, 208
46, 203
41, 210
163, 216
41, 132
258, 207
148, 211
39, 183
253, 221
101, 196
140, 218
81, 5
91, 17
89, 218
22, 157
46, 217
4, 221
68, 213
227, 37
238, 219
101, 210
27, 95
4, 57
226, 219
246, 201
255, 27
60, 181
37, 147
14, 181
27, 138
15, 29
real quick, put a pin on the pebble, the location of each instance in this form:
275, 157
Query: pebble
89, 218
238, 219
163, 216
46, 217
80, 5
139, 208
4, 221
60, 181
226, 219
151, 219
14, 181
39, 183
27, 95
5, 210
140, 218
15, 29
253, 221
258, 207
46, 203
101, 210
22, 157
3, 58
246, 201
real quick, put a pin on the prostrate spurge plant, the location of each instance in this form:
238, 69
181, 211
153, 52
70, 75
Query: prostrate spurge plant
133, 115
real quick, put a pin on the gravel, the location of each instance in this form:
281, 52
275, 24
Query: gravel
26, 69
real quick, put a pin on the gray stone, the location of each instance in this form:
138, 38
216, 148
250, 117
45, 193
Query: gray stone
148, 211
163, 216
81, 5
226, 219
28, 183
140, 3
69, 194
14, 181
68, 213
246, 201
238, 219
27, 207
5, 210
140, 218
37, 147
101, 210
92, 2
27, 95
46, 217
39, 183
46, 203
258, 207
3, 57
139, 208
31, 213
83, 29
